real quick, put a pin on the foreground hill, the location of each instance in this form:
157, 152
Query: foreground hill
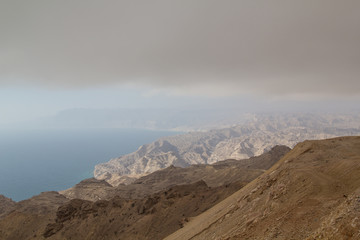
27, 216
311, 193
252, 138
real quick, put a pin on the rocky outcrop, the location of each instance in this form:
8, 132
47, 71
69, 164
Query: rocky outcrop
89, 189
258, 135
343, 222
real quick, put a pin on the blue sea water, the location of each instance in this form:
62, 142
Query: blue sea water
33, 161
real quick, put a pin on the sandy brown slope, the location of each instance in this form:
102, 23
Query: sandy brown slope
6, 205
312, 193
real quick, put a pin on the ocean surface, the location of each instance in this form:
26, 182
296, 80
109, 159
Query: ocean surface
33, 161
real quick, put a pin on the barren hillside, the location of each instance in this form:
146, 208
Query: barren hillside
312, 193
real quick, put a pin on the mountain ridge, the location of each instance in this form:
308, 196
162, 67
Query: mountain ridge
252, 138
214, 175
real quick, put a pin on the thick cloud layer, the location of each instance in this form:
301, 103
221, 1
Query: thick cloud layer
286, 47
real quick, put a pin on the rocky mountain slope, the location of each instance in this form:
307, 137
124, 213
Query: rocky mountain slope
311, 193
215, 175
252, 138
28, 216
6, 205
151, 208
152, 217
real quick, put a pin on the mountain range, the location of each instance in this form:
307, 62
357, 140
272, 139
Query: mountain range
239, 182
258, 134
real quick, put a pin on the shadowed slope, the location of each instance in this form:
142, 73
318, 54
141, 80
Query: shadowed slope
153, 217
29, 217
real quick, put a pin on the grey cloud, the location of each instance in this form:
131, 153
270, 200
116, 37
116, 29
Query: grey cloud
229, 47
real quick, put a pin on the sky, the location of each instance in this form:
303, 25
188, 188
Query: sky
285, 54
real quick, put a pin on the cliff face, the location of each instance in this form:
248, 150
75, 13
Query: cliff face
311, 193
253, 138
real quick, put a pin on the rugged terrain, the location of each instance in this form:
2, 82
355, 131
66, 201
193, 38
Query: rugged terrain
214, 175
28, 216
152, 207
311, 193
152, 217
252, 138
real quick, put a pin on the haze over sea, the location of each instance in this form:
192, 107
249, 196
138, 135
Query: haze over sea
33, 161
158, 65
